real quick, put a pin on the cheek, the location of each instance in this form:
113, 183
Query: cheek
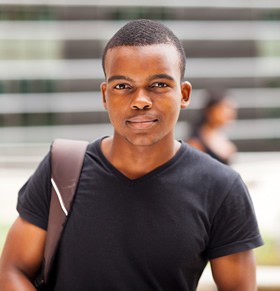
215, 115
227, 114
232, 114
116, 111
171, 108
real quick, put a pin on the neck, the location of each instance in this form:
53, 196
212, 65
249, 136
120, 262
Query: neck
136, 161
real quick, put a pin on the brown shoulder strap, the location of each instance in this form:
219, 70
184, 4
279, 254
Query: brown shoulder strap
67, 158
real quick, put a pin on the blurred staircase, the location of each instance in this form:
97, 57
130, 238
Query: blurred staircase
50, 67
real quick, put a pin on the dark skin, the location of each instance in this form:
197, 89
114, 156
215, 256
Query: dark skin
143, 95
143, 103
22, 256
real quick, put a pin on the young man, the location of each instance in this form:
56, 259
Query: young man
150, 211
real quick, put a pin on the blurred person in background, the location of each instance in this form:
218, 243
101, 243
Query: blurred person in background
207, 134
150, 211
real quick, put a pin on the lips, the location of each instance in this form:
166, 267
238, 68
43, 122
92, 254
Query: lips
141, 122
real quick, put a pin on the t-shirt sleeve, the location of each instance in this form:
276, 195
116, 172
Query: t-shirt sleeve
234, 227
34, 196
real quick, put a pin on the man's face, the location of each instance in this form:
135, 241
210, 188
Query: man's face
143, 93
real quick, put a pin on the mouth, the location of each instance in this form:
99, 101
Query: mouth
141, 122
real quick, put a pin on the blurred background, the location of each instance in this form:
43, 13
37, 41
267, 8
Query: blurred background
50, 71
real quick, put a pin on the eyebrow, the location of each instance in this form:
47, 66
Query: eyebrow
161, 76
150, 78
119, 77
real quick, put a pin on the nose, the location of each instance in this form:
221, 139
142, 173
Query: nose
141, 101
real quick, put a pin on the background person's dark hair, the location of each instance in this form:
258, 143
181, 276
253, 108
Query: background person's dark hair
213, 97
144, 32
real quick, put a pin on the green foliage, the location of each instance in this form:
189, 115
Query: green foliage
269, 254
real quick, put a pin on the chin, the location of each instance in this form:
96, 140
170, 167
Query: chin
143, 141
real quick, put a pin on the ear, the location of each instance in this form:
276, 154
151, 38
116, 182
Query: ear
186, 89
103, 88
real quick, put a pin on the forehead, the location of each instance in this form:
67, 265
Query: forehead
226, 103
160, 57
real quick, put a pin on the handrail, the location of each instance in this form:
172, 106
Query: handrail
241, 4
61, 30
255, 67
266, 129
64, 102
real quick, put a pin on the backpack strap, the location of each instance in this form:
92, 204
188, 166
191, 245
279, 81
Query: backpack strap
67, 158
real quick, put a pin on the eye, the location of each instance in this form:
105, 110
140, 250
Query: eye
159, 85
122, 86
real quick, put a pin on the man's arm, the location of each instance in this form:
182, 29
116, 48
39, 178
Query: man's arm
235, 272
22, 256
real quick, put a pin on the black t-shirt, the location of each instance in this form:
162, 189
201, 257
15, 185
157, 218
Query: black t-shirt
196, 135
156, 232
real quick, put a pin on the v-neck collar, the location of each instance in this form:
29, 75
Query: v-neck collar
143, 178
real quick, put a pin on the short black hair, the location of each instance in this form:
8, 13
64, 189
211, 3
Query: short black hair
214, 97
144, 32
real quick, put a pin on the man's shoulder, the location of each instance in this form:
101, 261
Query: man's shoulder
202, 164
198, 157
